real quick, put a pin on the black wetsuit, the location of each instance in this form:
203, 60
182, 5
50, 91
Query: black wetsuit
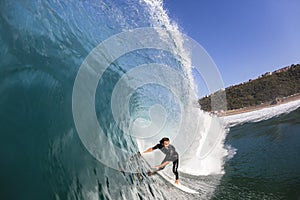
171, 156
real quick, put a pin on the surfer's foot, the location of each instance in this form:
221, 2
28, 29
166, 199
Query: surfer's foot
121, 170
177, 182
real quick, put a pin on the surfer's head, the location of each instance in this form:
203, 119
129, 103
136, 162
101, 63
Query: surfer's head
165, 142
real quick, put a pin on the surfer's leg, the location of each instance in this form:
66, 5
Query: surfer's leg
165, 160
175, 167
152, 172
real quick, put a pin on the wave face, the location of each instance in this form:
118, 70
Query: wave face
43, 45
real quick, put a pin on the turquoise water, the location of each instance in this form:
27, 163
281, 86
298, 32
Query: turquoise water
43, 44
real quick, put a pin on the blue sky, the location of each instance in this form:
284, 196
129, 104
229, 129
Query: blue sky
245, 38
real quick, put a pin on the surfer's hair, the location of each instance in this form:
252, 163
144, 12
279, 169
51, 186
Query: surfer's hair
163, 140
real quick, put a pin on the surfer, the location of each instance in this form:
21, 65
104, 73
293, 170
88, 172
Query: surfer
171, 156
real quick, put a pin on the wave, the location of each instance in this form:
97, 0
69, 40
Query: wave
44, 45
262, 114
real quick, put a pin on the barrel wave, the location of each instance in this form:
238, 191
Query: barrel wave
44, 154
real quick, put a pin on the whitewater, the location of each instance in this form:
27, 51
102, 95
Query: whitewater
260, 115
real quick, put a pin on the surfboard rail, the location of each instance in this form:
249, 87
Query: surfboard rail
179, 186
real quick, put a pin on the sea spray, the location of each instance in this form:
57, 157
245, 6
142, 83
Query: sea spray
205, 151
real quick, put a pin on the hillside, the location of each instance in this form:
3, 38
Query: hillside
265, 89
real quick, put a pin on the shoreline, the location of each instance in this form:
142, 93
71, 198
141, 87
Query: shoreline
274, 103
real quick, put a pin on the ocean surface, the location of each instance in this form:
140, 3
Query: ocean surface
266, 162
69, 123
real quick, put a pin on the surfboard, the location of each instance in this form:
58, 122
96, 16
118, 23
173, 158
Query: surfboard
179, 186
145, 168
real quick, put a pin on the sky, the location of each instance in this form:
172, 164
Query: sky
245, 38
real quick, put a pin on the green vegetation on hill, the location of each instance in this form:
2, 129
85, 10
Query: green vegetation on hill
278, 84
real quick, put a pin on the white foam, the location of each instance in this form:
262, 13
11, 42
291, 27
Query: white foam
204, 155
259, 115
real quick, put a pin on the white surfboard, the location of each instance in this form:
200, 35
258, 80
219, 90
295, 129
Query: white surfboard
179, 186
169, 178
